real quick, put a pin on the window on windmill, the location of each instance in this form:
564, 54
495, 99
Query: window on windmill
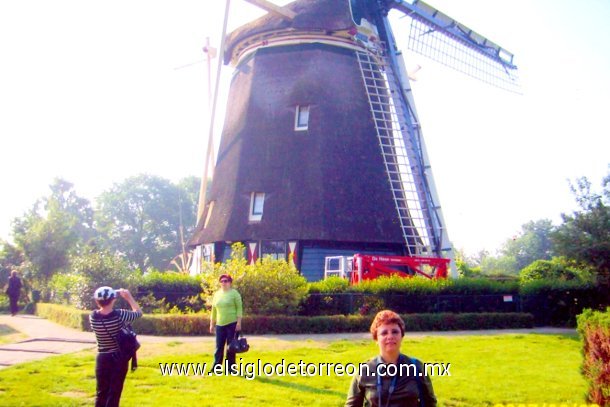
208, 250
301, 118
276, 249
257, 201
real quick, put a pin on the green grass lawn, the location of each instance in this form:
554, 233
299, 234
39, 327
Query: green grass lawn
485, 371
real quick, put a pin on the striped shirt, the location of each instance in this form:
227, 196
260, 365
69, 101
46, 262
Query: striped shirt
107, 326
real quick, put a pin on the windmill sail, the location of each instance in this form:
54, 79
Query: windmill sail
439, 37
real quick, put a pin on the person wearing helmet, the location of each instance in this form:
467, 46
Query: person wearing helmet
110, 369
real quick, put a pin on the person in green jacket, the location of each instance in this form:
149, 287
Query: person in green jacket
380, 385
225, 320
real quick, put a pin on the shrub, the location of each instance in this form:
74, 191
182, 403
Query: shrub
157, 291
555, 269
594, 329
236, 266
64, 286
272, 287
267, 287
89, 271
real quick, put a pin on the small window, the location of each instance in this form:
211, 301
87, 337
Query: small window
257, 201
301, 118
208, 252
276, 249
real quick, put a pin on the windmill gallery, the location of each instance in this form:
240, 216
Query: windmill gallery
321, 152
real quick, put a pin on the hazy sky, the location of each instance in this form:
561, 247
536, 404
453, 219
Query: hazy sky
96, 92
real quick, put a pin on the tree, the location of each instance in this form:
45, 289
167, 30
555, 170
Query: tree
51, 230
533, 243
140, 219
189, 194
77, 211
584, 235
10, 258
467, 267
502, 265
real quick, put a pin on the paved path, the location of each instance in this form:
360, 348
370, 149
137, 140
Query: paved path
46, 338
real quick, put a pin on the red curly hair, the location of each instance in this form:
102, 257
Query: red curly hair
387, 317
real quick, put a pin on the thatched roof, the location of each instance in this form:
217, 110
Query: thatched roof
312, 15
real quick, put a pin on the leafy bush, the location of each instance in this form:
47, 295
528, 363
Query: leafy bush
594, 329
267, 287
555, 269
198, 324
63, 286
272, 287
236, 266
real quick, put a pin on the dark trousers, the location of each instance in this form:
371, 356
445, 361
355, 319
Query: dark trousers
224, 335
13, 300
110, 373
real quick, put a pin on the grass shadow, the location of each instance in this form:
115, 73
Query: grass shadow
7, 330
300, 387
570, 337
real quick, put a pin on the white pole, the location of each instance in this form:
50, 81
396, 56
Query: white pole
209, 161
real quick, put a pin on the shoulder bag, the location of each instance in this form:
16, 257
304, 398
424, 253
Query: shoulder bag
238, 344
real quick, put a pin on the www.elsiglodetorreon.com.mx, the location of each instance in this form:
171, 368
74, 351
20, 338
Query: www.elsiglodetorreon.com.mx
250, 370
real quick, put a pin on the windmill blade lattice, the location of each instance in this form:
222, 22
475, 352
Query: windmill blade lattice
443, 49
439, 37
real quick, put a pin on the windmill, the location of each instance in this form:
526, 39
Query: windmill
322, 152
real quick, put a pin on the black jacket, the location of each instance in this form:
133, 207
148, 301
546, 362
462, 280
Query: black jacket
364, 390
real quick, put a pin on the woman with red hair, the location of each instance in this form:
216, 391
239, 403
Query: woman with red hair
391, 378
225, 319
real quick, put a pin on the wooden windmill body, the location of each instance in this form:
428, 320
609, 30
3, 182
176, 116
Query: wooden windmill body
321, 152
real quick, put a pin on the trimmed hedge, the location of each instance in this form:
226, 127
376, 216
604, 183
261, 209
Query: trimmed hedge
64, 315
594, 329
416, 286
554, 303
368, 303
558, 303
198, 324
172, 289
